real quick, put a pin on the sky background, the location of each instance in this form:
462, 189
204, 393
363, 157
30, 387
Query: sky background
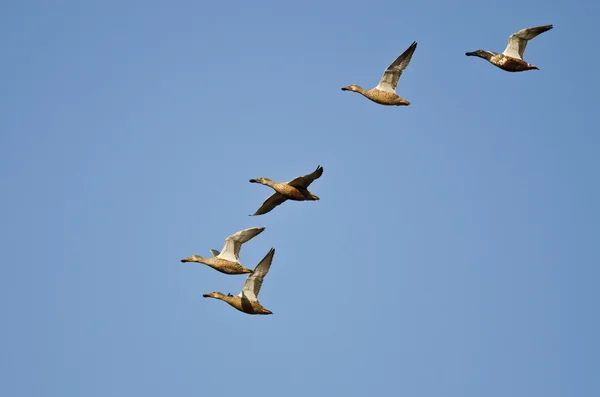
454, 251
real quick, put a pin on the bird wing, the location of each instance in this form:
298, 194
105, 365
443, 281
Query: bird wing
304, 182
270, 203
214, 252
389, 81
518, 41
233, 243
254, 280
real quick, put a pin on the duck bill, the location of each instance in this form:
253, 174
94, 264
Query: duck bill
471, 54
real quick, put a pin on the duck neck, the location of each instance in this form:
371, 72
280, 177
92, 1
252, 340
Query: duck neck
268, 182
361, 90
486, 55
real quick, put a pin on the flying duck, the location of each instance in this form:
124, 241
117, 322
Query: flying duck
511, 59
385, 92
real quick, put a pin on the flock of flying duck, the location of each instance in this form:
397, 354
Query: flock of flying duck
228, 260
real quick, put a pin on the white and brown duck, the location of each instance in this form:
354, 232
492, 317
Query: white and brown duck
385, 92
511, 59
247, 300
228, 260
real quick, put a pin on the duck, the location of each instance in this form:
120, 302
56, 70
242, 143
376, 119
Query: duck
511, 60
228, 260
296, 189
385, 92
247, 300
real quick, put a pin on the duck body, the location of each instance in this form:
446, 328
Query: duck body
378, 96
242, 304
293, 192
511, 64
219, 264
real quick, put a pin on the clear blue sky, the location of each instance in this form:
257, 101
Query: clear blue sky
454, 251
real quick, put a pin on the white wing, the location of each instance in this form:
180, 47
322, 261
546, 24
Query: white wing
518, 41
233, 243
254, 281
389, 80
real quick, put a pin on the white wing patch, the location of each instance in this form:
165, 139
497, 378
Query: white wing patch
517, 42
233, 243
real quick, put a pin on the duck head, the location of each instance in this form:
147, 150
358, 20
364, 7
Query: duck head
264, 181
216, 295
352, 87
481, 54
193, 258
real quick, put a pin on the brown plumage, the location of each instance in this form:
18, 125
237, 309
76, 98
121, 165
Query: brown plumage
247, 300
296, 189
385, 92
221, 265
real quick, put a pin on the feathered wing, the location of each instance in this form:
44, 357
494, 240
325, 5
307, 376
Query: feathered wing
518, 41
270, 203
233, 243
304, 182
254, 281
389, 80
214, 252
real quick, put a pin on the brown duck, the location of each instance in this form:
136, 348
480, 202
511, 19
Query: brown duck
511, 59
247, 300
296, 189
227, 261
385, 92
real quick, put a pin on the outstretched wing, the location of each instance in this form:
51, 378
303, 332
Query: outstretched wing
233, 243
254, 281
389, 81
270, 203
303, 182
518, 41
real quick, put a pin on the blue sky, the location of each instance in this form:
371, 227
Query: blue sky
454, 251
